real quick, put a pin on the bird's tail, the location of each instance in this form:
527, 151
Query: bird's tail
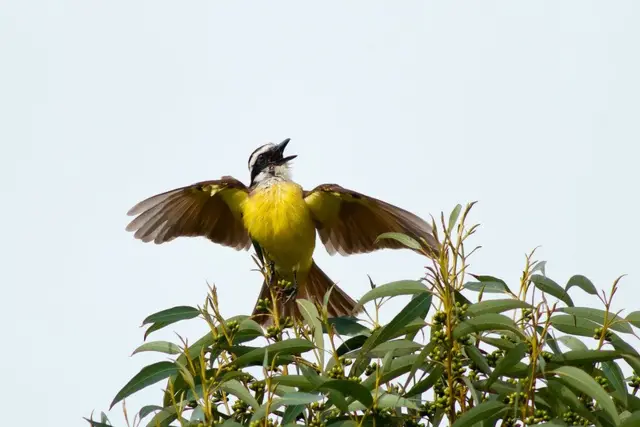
314, 288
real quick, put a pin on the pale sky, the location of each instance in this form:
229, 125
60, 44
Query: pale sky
531, 108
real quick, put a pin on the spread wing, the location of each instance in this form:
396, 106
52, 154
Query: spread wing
211, 209
349, 222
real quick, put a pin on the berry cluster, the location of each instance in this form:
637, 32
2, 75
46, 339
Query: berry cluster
540, 416
573, 419
597, 333
635, 380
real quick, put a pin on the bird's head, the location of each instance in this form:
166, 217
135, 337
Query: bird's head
269, 161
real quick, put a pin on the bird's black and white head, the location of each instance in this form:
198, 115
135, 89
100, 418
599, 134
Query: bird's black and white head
268, 162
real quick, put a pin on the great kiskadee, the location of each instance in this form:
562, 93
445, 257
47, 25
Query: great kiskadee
281, 220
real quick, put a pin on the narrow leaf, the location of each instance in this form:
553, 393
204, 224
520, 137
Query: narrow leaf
634, 318
287, 347
453, 217
574, 325
510, 359
487, 287
597, 315
146, 410
550, 287
401, 287
614, 374
477, 357
407, 241
572, 342
172, 315
486, 322
484, 411
496, 306
159, 346
632, 420
237, 389
312, 317
408, 313
347, 325
584, 382
426, 383
583, 283
147, 376
350, 388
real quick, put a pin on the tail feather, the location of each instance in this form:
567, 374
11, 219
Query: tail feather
315, 287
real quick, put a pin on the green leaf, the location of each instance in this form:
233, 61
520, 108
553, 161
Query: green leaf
146, 410
351, 344
159, 346
491, 279
172, 315
453, 218
299, 398
486, 322
621, 345
290, 415
634, 318
401, 287
539, 266
487, 287
614, 374
154, 327
293, 399
585, 356
583, 283
398, 366
312, 317
510, 359
550, 287
237, 389
574, 325
632, 420
484, 411
408, 313
281, 348
496, 306
389, 400
426, 383
401, 347
147, 376
478, 358
633, 362
560, 392
407, 241
597, 315
347, 325
572, 342
584, 382
350, 388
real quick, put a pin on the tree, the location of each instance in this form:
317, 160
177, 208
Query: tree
461, 353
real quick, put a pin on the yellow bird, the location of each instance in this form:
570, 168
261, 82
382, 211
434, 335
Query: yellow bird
281, 219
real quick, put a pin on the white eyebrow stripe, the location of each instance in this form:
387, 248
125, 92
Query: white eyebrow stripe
254, 156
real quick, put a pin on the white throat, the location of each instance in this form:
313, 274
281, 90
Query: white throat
273, 174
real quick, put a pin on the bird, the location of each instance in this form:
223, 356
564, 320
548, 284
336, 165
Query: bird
281, 220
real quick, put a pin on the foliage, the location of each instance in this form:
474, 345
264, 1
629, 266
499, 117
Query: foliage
461, 353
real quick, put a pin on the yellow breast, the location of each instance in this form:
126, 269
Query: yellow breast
277, 217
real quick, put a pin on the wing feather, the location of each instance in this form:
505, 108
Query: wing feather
209, 209
349, 222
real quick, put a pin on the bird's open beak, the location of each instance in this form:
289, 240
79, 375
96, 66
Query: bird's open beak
280, 149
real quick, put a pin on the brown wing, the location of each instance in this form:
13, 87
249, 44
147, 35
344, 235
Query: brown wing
349, 222
211, 209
